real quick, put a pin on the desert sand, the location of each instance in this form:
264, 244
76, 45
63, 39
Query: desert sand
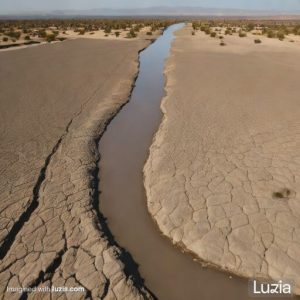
54, 104
222, 178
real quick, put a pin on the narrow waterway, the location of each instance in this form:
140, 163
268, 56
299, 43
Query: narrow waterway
168, 273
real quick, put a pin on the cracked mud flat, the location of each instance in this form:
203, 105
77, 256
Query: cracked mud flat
222, 178
55, 102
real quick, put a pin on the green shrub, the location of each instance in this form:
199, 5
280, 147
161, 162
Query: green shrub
280, 35
131, 34
270, 34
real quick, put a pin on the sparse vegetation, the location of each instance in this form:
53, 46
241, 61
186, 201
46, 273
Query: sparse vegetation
257, 41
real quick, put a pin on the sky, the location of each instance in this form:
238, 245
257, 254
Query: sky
50, 5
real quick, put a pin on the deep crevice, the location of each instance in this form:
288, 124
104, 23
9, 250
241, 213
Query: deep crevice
25, 216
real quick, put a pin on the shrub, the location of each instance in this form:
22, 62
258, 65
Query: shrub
131, 34
193, 32
5, 39
242, 34
270, 34
42, 33
50, 38
82, 32
280, 35
117, 33
257, 41
207, 31
213, 34
222, 43
107, 30
149, 33
27, 38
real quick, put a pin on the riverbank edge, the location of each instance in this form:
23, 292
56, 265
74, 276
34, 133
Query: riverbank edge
169, 65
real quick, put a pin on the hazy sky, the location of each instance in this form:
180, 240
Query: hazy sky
35, 5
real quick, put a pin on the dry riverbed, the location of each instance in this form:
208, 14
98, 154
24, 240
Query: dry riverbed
55, 101
223, 178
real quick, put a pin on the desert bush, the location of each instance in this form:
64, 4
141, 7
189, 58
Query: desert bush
193, 32
222, 43
81, 32
270, 34
228, 32
131, 34
207, 30
42, 33
280, 35
242, 34
27, 38
257, 41
5, 39
14, 34
250, 27
117, 33
213, 34
107, 30
149, 33
50, 37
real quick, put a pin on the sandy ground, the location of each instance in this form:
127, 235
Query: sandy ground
55, 101
223, 178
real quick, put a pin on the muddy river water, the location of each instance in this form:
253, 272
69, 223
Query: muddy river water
168, 273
